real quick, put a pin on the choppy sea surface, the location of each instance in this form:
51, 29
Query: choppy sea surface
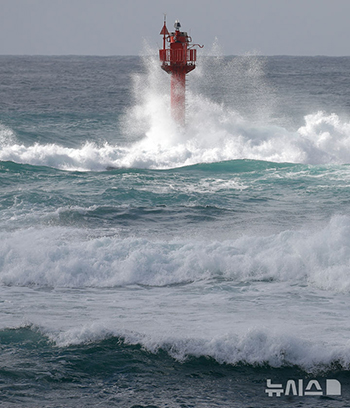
147, 265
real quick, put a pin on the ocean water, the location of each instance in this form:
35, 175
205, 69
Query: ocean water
147, 265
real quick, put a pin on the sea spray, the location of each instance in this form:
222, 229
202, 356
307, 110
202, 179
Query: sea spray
240, 127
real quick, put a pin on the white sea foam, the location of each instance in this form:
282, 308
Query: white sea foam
215, 134
61, 257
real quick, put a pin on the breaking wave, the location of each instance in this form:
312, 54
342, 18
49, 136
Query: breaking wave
254, 347
61, 257
215, 135
214, 132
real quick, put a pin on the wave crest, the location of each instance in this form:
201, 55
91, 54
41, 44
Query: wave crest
58, 257
213, 135
253, 347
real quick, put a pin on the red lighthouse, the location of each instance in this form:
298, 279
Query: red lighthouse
177, 60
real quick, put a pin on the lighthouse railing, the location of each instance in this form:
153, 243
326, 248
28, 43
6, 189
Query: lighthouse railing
177, 56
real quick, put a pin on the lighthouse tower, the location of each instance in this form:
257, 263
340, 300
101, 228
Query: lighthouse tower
177, 60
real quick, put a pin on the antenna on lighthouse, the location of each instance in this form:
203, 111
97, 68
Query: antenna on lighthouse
164, 32
177, 60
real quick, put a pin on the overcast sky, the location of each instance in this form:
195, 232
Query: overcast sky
116, 27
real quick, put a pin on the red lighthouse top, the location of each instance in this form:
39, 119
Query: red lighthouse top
180, 52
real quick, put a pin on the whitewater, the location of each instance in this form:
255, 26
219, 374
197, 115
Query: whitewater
146, 264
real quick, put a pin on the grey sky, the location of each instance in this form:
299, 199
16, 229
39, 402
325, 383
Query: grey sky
115, 27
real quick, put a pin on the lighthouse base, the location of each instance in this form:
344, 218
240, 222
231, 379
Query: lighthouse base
178, 97
178, 90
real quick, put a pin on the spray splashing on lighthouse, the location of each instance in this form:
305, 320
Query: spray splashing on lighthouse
178, 60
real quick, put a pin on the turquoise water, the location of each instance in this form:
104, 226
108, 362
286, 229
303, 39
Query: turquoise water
147, 265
